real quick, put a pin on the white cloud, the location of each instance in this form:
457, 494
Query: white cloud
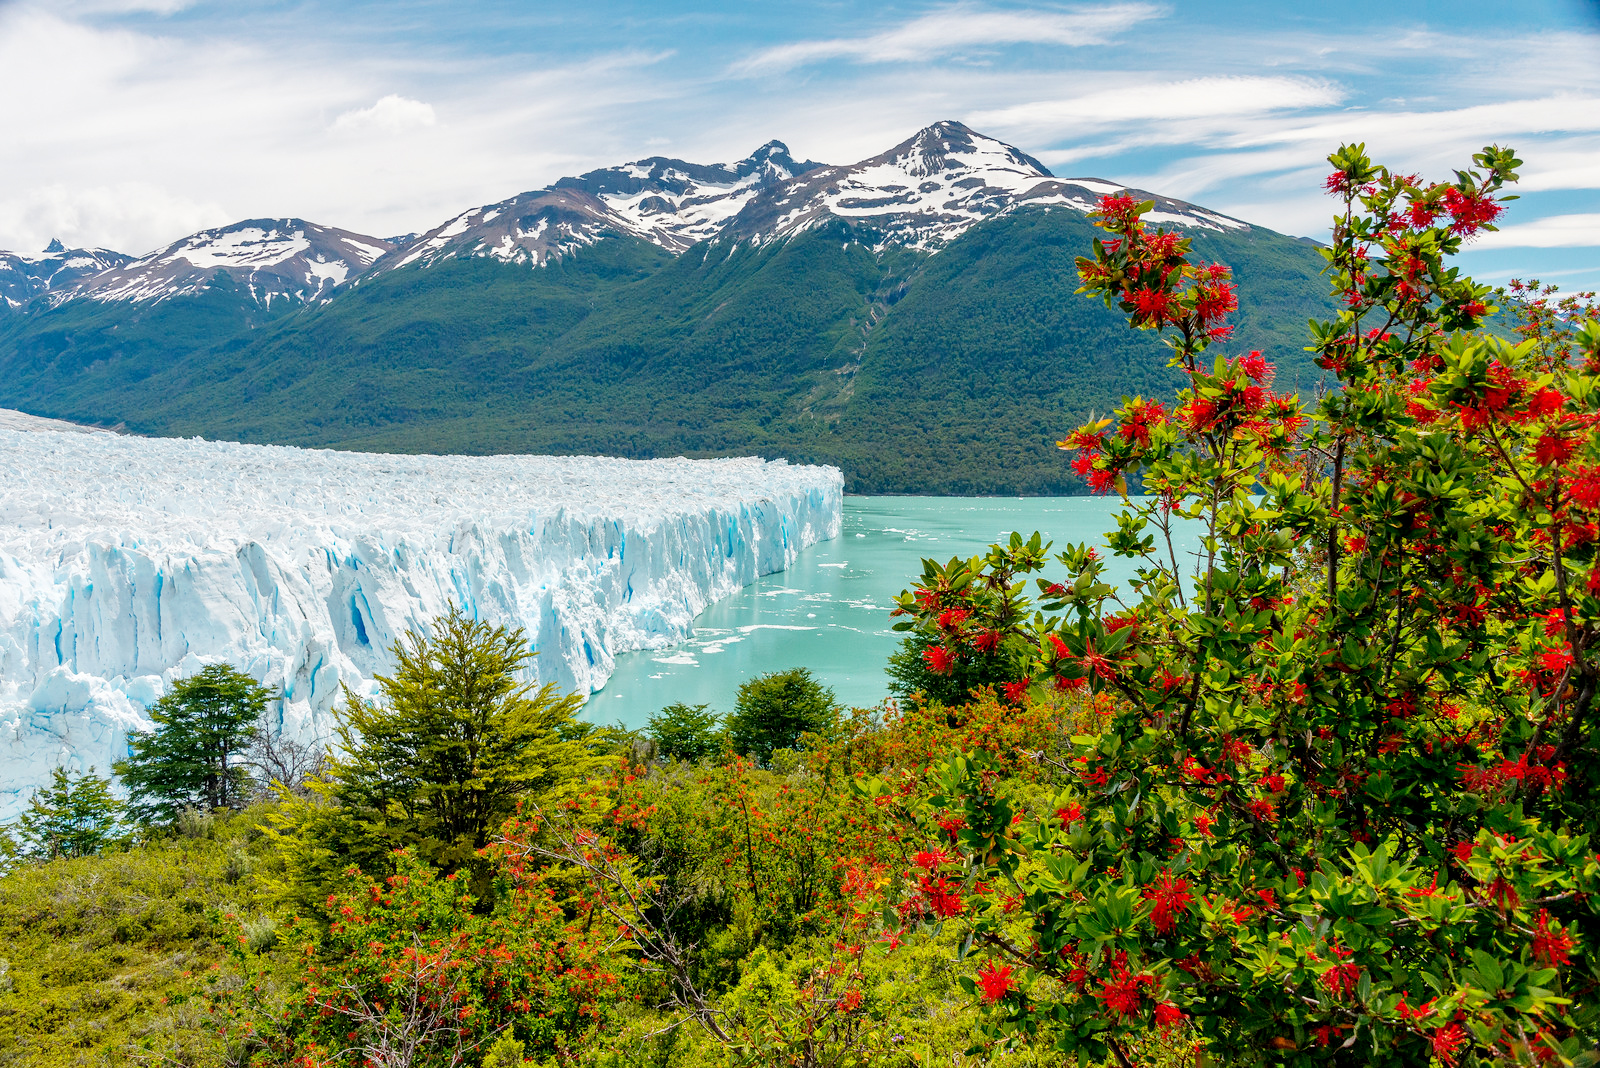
122, 7
132, 217
1553, 231
955, 30
392, 114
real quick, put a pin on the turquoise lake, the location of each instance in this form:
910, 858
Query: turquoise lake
830, 611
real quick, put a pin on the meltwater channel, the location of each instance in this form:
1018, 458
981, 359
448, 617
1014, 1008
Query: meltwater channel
829, 611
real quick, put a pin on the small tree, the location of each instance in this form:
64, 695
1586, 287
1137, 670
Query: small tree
456, 741
773, 711
188, 760
684, 732
276, 761
69, 818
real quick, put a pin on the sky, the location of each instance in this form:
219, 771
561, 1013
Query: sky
131, 123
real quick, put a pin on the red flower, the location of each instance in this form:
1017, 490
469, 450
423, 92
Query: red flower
1262, 810
996, 981
987, 642
1546, 402
1098, 663
929, 859
1340, 980
1167, 897
940, 660
1447, 1041
1168, 1014
1016, 691
1069, 815
944, 897
951, 618
1122, 993
1552, 948
850, 1002
1553, 449
1256, 366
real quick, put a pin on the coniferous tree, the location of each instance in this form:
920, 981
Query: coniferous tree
455, 742
69, 818
773, 711
188, 760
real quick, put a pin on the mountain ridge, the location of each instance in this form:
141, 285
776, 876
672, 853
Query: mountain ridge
907, 318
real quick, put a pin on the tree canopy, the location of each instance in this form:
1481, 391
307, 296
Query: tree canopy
202, 724
773, 711
455, 740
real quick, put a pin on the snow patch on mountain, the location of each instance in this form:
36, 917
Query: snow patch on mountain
675, 204
930, 189
126, 563
24, 277
271, 259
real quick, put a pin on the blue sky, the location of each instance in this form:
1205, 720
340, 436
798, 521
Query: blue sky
139, 121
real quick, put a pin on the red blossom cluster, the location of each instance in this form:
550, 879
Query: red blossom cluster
1168, 898
1124, 992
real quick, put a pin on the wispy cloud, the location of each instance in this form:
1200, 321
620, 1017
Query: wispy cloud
954, 30
1553, 231
1169, 100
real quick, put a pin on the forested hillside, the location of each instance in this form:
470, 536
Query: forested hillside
950, 372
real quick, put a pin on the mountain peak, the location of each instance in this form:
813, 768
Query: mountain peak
290, 260
951, 145
54, 246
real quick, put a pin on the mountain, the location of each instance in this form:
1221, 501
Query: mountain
909, 317
58, 268
667, 202
288, 260
928, 190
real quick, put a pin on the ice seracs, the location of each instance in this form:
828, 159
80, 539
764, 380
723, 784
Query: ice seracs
128, 562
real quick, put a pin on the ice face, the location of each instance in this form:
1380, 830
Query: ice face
126, 563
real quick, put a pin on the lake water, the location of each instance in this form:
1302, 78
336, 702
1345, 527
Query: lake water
830, 611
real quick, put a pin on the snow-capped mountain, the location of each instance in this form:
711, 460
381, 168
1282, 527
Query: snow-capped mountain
530, 228
269, 259
923, 193
24, 277
675, 204
928, 190
667, 202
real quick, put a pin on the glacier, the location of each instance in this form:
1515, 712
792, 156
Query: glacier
126, 563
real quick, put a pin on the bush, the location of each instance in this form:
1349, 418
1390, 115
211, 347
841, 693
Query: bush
775, 710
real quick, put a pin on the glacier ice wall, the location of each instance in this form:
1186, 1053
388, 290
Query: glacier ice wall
128, 562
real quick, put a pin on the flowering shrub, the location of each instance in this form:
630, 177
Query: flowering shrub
411, 972
1342, 810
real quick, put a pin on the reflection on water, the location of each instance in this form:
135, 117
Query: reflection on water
830, 611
